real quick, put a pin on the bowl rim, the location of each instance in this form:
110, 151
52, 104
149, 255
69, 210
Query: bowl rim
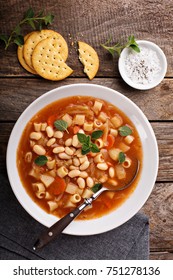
141, 86
93, 226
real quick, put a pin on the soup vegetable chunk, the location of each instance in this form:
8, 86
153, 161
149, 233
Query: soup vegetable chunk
71, 147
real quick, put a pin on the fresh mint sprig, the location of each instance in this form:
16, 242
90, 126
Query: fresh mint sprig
117, 48
35, 21
87, 144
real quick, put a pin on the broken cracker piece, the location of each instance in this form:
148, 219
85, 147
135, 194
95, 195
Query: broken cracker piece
89, 58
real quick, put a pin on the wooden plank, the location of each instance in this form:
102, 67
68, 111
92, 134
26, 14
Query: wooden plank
159, 210
161, 256
17, 94
147, 20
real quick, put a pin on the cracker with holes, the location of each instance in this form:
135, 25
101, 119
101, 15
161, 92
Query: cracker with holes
48, 61
89, 59
38, 36
21, 57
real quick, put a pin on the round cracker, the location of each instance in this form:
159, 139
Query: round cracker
48, 62
38, 36
89, 59
21, 56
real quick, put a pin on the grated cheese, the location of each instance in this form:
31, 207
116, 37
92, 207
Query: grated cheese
143, 67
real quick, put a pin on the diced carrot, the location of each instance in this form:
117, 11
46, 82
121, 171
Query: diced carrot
58, 186
110, 141
107, 202
76, 129
109, 163
51, 119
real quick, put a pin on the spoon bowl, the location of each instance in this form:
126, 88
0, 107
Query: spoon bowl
59, 226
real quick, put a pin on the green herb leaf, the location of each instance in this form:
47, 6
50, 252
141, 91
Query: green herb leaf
29, 13
135, 48
96, 187
19, 40
32, 24
117, 48
96, 134
61, 125
4, 38
85, 150
41, 160
35, 21
17, 29
121, 157
125, 130
82, 138
87, 145
94, 148
48, 19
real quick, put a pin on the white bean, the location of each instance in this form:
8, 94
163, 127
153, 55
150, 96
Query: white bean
49, 131
111, 172
74, 173
83, 159
76, 161
58, 134
83, 174
69, 151
84, 165
64, 156
102, 166
73, 167
68, 142
50, 142
81, 183
89, 182
39, 150
58, 150
35, 135
75, 141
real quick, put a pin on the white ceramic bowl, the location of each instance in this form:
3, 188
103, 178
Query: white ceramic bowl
149, 170
157, 79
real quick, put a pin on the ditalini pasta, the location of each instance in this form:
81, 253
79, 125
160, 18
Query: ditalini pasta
70, 146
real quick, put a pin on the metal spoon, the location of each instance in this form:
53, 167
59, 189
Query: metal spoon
59, 226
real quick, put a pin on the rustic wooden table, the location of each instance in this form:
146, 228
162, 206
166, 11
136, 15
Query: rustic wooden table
93, 21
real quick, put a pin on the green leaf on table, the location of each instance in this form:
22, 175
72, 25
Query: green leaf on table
117, 48
96, 134
48, 19
41, 160
29, 13
125, 130
4, 38
19, 40
61, 125
31, 23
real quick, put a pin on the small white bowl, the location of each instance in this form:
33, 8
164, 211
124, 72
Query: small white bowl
149, 164
157, 79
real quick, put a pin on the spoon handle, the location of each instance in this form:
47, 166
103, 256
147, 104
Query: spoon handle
59, 226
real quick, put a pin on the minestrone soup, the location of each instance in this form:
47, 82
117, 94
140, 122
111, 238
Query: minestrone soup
71, 146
